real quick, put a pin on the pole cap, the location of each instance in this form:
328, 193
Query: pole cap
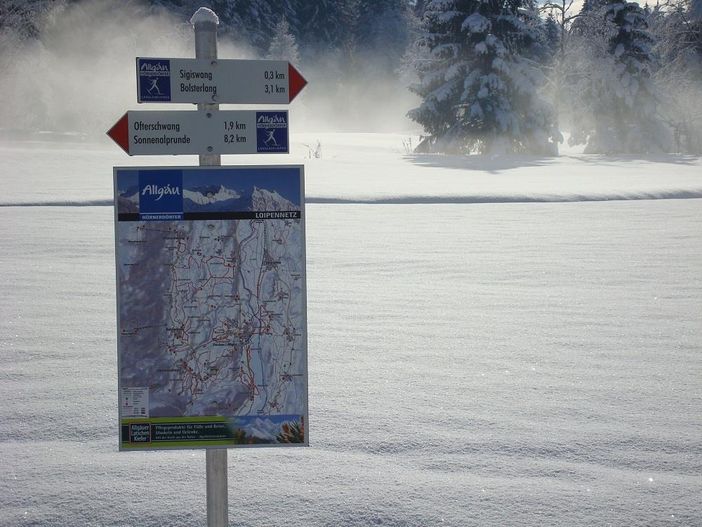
204, 16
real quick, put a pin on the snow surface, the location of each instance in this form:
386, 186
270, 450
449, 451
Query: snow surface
367, 168
503, 345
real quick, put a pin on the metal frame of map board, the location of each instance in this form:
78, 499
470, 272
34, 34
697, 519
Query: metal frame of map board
184, 241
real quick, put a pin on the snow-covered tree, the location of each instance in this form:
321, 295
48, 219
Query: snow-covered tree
679, 76
383, 31
251, 21
245, 21
557, 29
561, 14
695, 29
283, 45
419, 7
553, 35
325, 23
23, 17
479, 82
696, 10
616, 108
678, 35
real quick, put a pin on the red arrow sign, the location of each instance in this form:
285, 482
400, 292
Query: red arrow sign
296, 81
120, 132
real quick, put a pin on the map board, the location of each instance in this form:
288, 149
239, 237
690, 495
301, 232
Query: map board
211, 303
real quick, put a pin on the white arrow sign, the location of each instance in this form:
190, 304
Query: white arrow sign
216, 81
199, 132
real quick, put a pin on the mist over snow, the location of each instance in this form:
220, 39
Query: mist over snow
79, 75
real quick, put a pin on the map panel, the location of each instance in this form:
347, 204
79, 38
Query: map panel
212, 339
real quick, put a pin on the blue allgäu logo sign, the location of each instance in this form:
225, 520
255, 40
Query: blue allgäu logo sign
160, 195
154, 80
272, 132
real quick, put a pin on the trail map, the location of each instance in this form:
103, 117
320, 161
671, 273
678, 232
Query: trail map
211, 306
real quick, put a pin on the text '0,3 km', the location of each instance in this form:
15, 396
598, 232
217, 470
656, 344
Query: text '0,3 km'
225, 81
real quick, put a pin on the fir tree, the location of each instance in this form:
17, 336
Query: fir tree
558, 30
479, 82
251, 21
677, 78
419, 8
617, 89
283, 45
23, 17
552, 33
287, 9
246, 21
695, 16
326, 23
591, 5
696, 10
383, 31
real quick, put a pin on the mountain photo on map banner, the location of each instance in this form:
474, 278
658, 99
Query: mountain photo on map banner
127, 193
223, 199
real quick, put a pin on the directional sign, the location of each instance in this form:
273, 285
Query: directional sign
217, 81
200, 132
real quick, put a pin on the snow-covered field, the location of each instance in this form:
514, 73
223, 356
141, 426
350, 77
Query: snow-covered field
492, 341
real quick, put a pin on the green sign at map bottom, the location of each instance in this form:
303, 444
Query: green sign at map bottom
211, 303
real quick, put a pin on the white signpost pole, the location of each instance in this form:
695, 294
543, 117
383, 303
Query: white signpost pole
205, 23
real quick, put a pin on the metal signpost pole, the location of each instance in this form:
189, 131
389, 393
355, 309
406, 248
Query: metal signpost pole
205, 24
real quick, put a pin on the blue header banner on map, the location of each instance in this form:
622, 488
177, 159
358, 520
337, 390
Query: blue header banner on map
199, 193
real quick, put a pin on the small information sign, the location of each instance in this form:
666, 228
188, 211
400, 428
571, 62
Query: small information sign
199, 132
227, 81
